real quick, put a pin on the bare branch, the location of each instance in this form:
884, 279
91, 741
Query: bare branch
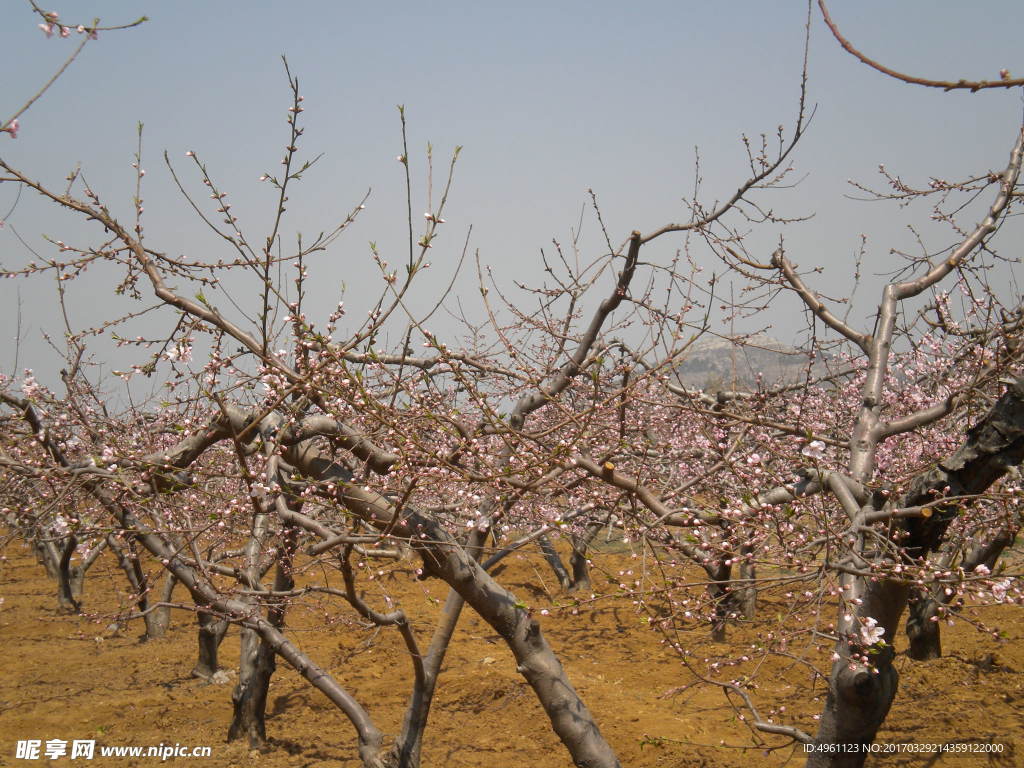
946, 85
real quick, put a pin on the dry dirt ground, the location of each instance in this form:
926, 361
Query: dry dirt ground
71, 677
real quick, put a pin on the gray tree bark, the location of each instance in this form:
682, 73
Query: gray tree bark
212, 629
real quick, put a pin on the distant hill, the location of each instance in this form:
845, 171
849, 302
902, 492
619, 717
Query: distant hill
722, 363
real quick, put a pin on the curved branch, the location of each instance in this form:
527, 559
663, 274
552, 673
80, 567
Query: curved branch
380, 461
946, 85
815, 305
557, 383
1008, 180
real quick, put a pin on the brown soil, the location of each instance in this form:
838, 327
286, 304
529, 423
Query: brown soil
72, 678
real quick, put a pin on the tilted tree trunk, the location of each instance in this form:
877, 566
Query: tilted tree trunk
405, 753
156, 618
569, 716
578, 561
577, 576
67, 598
445, 558
553, 560
407, 747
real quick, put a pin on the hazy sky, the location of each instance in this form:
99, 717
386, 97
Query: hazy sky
548, 99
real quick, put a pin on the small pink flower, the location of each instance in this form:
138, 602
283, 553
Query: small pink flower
12, 128
1000, 588
47, 29
870, 632
65, 32
815, 449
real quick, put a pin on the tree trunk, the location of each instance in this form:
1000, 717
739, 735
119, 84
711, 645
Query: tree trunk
747, 597
923, 633
77, 582
406, 751
66, 598
212, 629
49, 557
578, 560
536, 662
857, 702
859, 697
158, 617
155, 618
579, 578
257, 659
551, 555
255, 668
444, 557
722, 597
77, 573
